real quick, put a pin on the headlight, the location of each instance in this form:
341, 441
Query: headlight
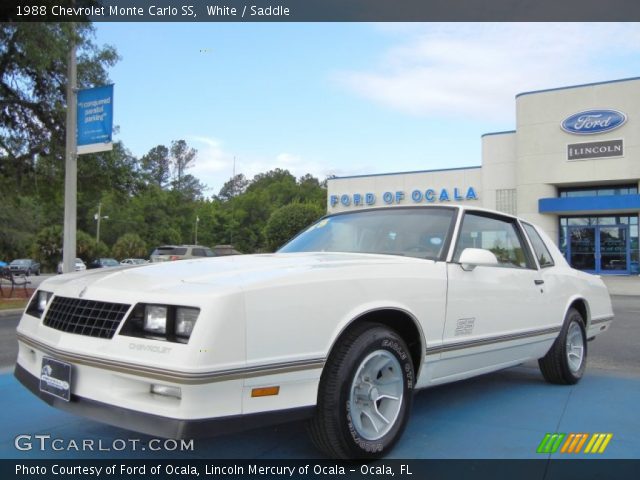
171, 323
43, 299
38, 303
185, 321
155, 319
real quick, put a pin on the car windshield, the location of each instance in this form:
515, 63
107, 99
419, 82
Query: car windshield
412, 232
20, 262
110, 262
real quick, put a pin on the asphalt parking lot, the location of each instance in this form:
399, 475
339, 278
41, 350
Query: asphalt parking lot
504, 415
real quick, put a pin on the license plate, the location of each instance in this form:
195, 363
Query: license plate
55, 378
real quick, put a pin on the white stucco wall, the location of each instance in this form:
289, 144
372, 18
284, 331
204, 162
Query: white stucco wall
454, 180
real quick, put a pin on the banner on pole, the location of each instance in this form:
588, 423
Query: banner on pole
95, 119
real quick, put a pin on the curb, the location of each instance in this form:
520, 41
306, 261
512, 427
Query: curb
13, 311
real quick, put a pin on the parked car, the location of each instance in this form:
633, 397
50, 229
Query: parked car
3, 264
24, 266
78, 266
180, 252
340, 326
103, 263
134, 261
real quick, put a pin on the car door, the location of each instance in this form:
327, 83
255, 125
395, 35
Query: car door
493, 308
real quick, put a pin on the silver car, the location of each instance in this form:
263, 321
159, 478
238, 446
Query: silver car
180, 252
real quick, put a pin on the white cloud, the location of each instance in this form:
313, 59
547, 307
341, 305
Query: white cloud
476, 69
297, 165
215, 165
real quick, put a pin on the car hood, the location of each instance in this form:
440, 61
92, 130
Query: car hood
230, 272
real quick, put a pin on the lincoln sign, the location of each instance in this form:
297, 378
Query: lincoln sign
582, 151
429, 195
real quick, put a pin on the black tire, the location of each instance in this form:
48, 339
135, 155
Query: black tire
336, 429
559, 365
38, 273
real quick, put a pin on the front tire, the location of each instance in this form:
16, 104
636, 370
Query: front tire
565, 363
365, 394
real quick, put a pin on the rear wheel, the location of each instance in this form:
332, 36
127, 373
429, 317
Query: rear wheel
567, 359
365, 394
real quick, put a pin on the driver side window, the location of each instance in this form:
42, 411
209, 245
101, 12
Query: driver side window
499, 236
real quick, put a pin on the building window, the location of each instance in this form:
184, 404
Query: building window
600, 222
598, 191
506, 201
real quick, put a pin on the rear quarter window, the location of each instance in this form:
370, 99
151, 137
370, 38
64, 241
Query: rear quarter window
542, 252
169, 251
202, 252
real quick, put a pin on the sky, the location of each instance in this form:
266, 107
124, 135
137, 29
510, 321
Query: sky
344, 98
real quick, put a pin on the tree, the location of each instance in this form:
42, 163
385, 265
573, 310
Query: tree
233, 187
156, 166
130, 245
48, 247
20, 217
85, 245
287, 221
33, 63
182, 157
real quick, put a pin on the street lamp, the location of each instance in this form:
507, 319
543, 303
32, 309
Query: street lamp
197, 221
97, 217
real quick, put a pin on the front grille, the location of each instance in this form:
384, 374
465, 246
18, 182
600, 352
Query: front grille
85, 317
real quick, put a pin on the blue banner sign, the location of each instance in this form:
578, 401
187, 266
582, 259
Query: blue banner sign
593, 121
416, 196
95, 119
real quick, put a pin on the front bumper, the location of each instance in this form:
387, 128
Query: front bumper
157, 425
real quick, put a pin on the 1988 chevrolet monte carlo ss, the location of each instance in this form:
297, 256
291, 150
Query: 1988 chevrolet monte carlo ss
339, 326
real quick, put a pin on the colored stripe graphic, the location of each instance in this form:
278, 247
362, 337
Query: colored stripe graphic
598, 443
550, 442
573, 442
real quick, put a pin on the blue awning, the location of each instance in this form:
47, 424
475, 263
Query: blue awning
590, 204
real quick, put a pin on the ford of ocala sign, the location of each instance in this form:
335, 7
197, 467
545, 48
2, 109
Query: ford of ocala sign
429, 195
593, 121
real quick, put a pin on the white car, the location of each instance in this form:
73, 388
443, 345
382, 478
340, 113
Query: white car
340, 326
134, 261
78, 266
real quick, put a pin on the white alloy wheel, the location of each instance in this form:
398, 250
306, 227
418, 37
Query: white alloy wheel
376, 392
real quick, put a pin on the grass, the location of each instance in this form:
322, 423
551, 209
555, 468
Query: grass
12, 303
19, 298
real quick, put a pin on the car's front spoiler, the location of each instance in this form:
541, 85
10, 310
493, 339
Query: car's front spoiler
156, 425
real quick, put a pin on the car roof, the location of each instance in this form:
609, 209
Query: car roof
464, 208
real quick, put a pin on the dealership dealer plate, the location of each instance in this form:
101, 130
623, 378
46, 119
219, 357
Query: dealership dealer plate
55, 378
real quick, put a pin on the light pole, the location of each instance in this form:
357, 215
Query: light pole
97, 217
71, 166
197, 221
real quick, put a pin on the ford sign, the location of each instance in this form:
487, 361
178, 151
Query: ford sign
593, 121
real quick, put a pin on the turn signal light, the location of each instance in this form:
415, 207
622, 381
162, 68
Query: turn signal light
265, 391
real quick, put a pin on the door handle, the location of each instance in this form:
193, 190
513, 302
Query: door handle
538, 282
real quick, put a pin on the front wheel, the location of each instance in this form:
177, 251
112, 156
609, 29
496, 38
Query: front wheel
365, 394
566, 361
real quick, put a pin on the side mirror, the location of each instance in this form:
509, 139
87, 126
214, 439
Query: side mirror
473, 257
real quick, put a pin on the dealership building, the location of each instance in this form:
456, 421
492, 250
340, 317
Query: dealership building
572, 166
